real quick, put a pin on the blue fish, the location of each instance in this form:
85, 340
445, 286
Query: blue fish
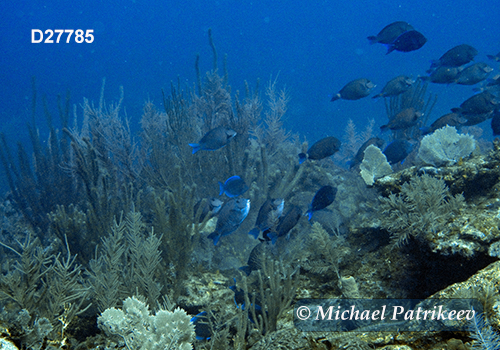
406, 42
285, 224
233, 187
268, 216
214, 139
202, 327
255, 258
230, 218
397, 151
323, 198
239, 299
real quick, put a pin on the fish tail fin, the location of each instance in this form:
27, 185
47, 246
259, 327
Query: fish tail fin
196, 147
372, 39
246, 269
335, 97
215, 236
254, 232
221, 188
390, 48
302, 157
309, 214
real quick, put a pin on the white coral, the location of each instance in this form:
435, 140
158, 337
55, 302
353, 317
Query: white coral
445, 147
141, 330
374, 165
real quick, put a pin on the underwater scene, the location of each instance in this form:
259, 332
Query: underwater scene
250, 175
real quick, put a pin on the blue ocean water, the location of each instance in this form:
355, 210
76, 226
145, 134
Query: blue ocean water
313, 48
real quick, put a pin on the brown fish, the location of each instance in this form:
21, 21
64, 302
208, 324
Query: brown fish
407, 42
355, 90
407, 118
456, 57
396, 86
474, 74
450, 119
481, 103
390, 33
323, 148
442, 75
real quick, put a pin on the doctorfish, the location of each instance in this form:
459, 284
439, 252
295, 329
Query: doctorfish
397, 151
268, 216
474, 74
255, 258
285, 224
482, 103
390, 33
233, 187
442, 75
355, 90
407, 118
323, 148
407, 42
456, 57
450, 119
396, 86
214, 139
323, 198
230, 218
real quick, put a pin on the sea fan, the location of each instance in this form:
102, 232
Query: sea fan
484, 335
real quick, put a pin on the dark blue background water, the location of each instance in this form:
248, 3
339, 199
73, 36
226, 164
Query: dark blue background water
314, 46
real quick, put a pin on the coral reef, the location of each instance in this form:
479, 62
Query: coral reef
138, 329
126, 204
374, 165
126, 264
445, 147
45, 292
423, 207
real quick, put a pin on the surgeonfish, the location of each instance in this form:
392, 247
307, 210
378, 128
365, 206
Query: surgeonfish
390, 33
396, 86
214, 139
354, 90
407, 42
323, 198
285, 224
230, 218
268, 216
233, 187
455, 57
323, 148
